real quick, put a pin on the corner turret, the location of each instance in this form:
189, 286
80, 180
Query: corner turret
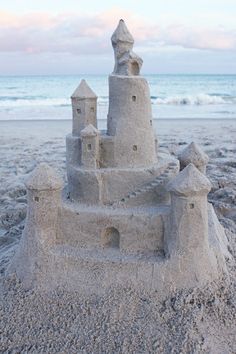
44, 194
188, 227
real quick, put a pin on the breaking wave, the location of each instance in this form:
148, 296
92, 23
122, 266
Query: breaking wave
200, 99
190, 100
32, 101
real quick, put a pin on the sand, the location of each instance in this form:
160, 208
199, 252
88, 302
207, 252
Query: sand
122, 320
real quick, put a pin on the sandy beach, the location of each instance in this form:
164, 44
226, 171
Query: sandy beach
122, 320
117, 177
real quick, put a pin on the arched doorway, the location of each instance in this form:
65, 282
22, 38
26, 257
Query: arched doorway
110, 238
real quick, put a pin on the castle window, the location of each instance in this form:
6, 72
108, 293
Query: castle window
36, 199
78, 110
110, 238
150, 122
134, 98
135, 148
89, 147
92, 109
191, 206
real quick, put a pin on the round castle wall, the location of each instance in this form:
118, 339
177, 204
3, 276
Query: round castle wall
130, 121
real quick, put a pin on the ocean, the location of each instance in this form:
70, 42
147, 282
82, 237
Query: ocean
172, 96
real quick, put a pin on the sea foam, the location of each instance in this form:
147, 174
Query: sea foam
200, 99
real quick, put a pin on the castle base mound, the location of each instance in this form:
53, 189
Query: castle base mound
94, 256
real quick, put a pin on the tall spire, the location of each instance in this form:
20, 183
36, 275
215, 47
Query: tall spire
122, 34
127, 63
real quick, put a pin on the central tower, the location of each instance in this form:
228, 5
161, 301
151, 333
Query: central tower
130, 114
103, 167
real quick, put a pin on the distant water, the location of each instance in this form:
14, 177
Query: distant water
172, 96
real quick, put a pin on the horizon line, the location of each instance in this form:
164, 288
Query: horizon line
107, 74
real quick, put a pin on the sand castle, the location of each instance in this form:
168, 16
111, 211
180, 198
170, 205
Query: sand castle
128, 215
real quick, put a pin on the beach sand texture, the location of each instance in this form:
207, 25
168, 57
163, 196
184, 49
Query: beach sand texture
122, 320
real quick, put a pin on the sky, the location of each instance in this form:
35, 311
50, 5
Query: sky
45, 37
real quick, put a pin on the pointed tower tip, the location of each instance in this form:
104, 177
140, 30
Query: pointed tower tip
83, 91
193, 154
44, 177
190, 181
122, 34
89, 130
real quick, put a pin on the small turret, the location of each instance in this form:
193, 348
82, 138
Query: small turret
188, 235
193, 154
90, 147
44, 199
84, 107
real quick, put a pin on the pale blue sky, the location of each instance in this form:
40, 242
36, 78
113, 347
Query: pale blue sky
73, 36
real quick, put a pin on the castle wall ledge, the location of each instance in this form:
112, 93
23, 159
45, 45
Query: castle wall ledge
133, 230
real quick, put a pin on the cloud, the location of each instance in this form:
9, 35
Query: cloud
83, 35
200, 38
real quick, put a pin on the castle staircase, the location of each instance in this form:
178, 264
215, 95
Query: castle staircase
151, 192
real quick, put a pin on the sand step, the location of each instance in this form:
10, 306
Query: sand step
159, 180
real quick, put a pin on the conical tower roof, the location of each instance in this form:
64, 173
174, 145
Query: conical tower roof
89, 130
189, 182
122, 34
44, 178
193, 154
83, 91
